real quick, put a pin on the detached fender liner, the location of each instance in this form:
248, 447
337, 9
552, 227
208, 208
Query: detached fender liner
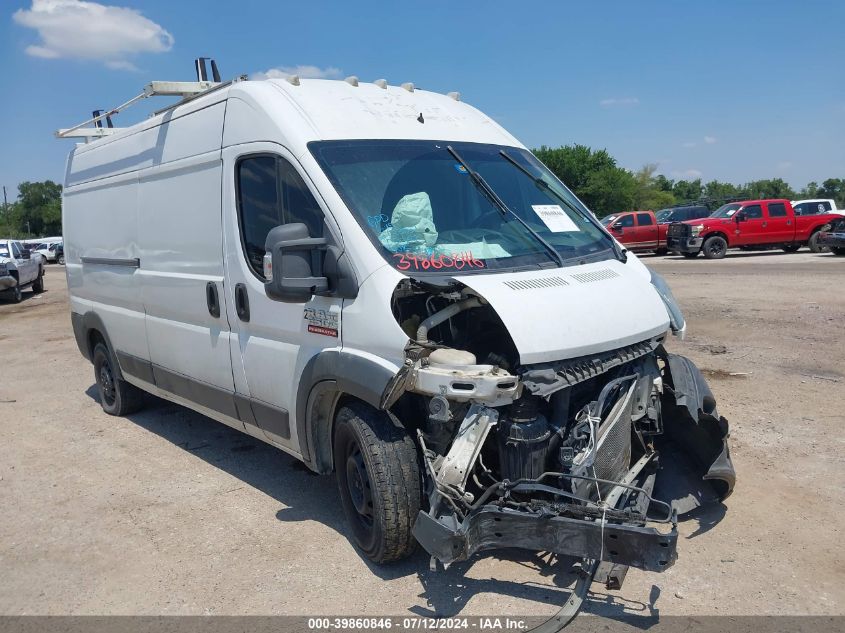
694, 454
493, 527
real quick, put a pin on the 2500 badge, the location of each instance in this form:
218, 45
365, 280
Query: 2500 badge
321, 321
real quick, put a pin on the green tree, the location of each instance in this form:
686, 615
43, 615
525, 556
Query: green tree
592, 175
663, 183
810, 191
833, 188
687, 190
772, 188
649, 192
38, 210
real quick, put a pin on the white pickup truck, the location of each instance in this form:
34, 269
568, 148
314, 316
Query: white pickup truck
19, 270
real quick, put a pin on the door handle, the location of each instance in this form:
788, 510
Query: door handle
212, 299
242, 302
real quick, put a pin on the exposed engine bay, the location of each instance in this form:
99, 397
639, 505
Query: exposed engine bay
567, 457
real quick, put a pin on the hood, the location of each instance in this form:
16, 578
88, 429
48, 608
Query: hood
565, 313
710, 221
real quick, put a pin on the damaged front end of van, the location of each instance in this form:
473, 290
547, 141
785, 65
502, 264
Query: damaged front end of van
594, 457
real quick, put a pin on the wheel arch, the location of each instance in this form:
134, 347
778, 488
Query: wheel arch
330, 379
89, 329
717, 233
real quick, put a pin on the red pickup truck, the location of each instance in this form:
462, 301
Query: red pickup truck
645, 230
752, 223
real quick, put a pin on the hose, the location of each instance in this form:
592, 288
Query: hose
446, 313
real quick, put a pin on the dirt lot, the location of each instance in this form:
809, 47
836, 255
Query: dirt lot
168, 512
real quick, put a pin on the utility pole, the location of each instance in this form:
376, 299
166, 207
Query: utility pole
5, 200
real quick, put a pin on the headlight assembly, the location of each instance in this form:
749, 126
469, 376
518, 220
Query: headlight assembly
676, 317
696, 230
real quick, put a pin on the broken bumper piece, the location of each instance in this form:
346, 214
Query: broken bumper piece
492, 527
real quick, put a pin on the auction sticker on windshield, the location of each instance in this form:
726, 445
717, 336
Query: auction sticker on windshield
554, 218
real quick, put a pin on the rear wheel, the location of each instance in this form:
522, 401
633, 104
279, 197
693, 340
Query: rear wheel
379, 481
715, 247
117, 396
38, 284
791, 248
813, 244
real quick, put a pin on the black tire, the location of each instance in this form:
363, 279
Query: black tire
838, 250
715, 247
813, 244
15, 294
661, 252
691, 255
378, 477
61, 260
38, 284
117, 396
791, 248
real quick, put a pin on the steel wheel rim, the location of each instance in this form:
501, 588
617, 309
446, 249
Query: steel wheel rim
106, 381
358, 485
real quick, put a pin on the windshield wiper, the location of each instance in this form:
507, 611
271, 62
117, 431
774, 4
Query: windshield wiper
621, 253
497, 202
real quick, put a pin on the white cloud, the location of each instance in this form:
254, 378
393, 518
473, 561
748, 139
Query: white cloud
687, 174
304, 71
619, 101
710, 140
690, 144
77, 29
785, 165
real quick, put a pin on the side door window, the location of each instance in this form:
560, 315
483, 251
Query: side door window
16, 250
625, 221
271, 192
753, 212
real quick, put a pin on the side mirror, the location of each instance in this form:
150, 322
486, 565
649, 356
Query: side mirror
740, 217
293, 265
616, 228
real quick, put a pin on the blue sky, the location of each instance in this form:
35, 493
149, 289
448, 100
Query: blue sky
728, 90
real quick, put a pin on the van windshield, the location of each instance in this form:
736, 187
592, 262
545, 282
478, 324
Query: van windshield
425, 213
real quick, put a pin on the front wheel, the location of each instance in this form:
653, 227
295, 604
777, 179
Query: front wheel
15, 294
715, 247
378, 478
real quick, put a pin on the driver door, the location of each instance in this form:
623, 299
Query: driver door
27, 266
752, 229
272, 341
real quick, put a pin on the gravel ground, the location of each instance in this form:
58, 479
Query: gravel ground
168, 512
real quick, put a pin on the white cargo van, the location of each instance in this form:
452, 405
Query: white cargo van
384, 283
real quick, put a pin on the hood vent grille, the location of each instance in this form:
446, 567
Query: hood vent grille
540, 282
595, 275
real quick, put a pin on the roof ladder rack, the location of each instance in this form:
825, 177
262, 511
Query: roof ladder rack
187, 90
